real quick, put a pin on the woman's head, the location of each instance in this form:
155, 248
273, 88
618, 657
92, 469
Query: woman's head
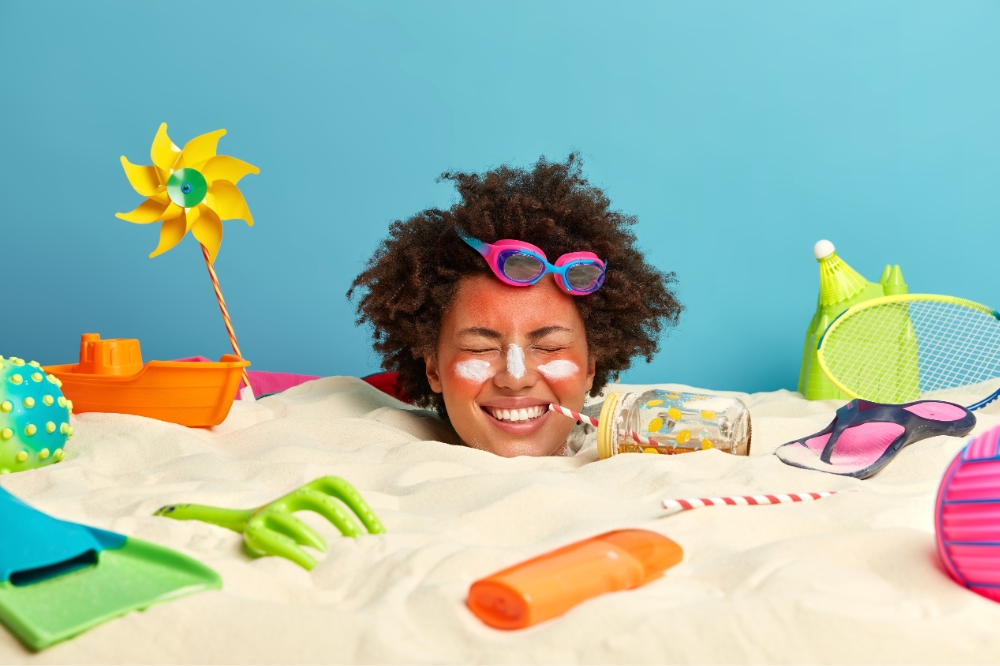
471, 346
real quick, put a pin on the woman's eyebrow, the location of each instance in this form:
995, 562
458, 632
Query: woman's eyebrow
547, 330
484, 332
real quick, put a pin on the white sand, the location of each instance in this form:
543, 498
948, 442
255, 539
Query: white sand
850, 578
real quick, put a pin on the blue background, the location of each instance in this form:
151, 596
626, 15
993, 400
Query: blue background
738, 132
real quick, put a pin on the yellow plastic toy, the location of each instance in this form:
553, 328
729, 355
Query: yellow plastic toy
194, 190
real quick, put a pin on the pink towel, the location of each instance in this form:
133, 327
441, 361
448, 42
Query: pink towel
263, 383
266, 383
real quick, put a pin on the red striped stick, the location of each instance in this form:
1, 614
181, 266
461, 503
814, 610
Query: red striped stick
642, 439
744, 500
248, 391
583, 418
565, 411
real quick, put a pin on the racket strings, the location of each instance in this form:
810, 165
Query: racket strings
958, 346
896, 351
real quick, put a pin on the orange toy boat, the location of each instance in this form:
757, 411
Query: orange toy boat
111, 377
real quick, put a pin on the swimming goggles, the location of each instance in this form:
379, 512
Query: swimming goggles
521, 264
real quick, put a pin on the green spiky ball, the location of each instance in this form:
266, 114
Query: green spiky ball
34, 417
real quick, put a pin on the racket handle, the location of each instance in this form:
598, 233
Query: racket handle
985, 401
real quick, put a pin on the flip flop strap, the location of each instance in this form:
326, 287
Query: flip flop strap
851, 415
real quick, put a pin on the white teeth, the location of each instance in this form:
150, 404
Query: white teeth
516, 415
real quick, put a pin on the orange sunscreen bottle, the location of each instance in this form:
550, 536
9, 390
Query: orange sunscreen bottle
550, 584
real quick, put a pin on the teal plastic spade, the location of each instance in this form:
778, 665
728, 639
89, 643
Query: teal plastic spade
58, 579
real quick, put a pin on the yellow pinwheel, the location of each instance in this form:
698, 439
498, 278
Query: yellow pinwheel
188, 190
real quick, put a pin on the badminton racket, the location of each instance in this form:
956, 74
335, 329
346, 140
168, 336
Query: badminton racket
902, 348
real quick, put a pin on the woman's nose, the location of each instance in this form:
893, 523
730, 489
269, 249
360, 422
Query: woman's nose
515, 375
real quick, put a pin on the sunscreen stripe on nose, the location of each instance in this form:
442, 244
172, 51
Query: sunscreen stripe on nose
515, 361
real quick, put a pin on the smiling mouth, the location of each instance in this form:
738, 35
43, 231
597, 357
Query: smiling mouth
516, 415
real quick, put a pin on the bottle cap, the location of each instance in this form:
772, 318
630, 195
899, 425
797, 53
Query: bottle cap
655, 552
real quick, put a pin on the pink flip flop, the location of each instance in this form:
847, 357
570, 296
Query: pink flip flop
865, 436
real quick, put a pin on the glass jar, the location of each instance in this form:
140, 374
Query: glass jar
674, 422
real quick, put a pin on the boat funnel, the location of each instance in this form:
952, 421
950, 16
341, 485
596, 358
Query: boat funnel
115, 357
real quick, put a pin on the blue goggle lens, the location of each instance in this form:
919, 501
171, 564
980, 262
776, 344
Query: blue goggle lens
520, 267
585, 277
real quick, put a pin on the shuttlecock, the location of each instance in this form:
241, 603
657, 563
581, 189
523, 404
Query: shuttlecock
837, 280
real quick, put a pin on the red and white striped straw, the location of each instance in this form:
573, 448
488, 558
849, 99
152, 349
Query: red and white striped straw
583, 418
565, 411
744, 500
645, 441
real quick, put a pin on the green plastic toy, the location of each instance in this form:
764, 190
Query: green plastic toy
34, 416
58, 579
273, 530
840, 287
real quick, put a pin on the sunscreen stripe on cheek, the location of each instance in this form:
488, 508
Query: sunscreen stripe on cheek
559, 369
475, 370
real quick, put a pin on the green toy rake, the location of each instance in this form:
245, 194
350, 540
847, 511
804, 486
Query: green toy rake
273, 530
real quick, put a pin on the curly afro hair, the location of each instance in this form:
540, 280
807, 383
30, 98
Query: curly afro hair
409, 282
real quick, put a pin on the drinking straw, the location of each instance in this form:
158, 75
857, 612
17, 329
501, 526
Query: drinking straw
565, 411
744, 500
583, 418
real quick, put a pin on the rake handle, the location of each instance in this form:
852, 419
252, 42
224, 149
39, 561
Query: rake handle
232, 519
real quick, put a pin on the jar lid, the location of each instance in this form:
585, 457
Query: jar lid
605, 431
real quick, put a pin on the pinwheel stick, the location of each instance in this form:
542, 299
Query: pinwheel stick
247, 392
